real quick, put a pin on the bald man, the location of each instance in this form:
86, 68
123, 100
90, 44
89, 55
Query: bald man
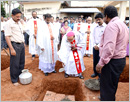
87, 31
89, 40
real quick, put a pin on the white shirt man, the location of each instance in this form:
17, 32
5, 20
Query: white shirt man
97, 33
15, 40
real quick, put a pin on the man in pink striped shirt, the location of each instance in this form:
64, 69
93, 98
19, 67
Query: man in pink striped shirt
112, 53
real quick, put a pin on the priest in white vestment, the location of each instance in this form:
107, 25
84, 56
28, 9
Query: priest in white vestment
47, 46
57, 27
71, 54
32, 29
87, 32
78, 25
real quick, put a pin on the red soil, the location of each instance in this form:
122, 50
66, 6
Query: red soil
54, 82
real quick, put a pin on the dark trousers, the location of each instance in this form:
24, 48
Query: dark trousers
109, 78
60, 39
95, 61
26, 37
33, 55
3, 41
17, 62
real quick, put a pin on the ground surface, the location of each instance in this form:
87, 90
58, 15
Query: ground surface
55, 82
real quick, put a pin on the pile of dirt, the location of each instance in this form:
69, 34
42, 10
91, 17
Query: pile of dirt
5, 62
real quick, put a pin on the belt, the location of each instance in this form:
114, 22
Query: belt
16, 42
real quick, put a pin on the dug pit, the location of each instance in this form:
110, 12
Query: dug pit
54, 82
5, 62
66, 86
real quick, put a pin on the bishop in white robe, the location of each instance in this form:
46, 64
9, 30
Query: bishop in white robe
71, 54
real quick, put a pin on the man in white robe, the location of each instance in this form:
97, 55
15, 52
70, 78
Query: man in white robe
77, 26
87, 32
47, 46
57, 27
71, 54
32, 28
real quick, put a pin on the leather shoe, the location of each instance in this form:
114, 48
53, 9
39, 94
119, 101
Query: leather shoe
93, 75
81, 77
54, 71
46, 74
66, 75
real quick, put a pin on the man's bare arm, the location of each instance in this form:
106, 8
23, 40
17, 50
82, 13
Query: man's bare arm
13, 52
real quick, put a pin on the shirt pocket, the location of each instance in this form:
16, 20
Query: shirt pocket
101, 33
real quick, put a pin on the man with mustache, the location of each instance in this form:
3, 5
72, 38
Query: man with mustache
112, 53
15, 40
47, 46
97, 33
32, 29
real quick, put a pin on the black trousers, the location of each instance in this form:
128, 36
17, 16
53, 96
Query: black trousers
60, 39
26, 37
17, 62
109, 78
3, 41
96, 59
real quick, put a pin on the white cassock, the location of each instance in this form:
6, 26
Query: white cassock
30, 31
66, 55
57, 31
83, 29
48, 57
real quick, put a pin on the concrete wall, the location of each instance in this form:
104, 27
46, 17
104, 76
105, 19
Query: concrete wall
42, 8
54, 7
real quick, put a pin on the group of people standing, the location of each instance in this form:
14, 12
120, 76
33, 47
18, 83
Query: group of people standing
40, 31
69, 42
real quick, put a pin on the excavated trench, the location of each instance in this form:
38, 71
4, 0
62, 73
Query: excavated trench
5, 62
67, 87
58, 84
